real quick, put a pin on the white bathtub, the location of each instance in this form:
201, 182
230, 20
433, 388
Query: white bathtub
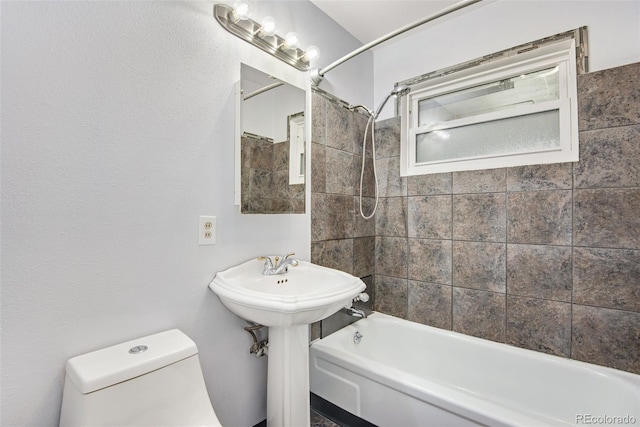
405, 374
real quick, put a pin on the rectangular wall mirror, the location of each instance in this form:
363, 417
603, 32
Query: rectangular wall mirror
271, 144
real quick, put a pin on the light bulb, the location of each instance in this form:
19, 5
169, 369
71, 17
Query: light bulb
291, 41
241, 10
312, 53
268, 27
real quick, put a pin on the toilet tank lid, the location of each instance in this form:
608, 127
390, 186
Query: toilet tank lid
103, 368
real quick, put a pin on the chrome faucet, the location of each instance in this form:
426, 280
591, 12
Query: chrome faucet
356, 312
278, 265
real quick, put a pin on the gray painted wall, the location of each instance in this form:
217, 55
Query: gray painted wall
117, 133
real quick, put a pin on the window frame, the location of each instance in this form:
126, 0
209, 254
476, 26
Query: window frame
561, 54
296, 149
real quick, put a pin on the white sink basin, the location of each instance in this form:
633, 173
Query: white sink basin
306, 294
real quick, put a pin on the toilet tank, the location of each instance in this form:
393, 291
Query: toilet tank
151, 381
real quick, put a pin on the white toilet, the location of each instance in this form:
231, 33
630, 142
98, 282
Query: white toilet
151, 381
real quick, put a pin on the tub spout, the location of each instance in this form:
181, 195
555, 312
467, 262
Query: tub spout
356, 312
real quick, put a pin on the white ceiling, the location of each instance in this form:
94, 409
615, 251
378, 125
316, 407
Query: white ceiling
367, 20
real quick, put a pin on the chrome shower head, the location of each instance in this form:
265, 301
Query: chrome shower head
399, 90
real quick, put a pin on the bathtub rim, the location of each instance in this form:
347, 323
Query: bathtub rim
485, 342
463, 403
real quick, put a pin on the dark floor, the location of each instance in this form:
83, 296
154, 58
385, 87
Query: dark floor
326, 414
317, 420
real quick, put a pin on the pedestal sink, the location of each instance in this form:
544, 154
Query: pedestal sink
287, 304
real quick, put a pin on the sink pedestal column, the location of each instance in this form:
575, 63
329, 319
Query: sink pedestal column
288, 377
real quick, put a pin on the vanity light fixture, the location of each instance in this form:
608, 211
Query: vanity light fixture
237, 20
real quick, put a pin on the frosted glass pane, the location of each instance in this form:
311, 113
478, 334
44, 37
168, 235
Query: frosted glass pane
512, 135
526, 89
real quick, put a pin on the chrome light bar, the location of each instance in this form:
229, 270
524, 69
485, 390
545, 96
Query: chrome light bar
250, 31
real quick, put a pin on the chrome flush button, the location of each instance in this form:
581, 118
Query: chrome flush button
138, 349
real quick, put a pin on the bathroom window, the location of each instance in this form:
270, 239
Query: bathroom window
517, 110
296, 149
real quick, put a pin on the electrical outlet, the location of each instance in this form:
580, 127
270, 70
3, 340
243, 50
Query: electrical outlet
207, 230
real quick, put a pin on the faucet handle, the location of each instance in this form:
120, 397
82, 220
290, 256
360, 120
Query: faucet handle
288, 255
363, 296
266, 259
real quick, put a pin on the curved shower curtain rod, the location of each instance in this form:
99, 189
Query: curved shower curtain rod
317, 75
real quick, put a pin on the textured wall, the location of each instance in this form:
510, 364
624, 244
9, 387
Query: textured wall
117, 133
541, 257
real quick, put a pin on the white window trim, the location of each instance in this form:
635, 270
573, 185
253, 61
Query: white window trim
561, 54
296, 149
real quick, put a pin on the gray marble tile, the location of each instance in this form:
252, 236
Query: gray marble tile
425, 185
391, 296
481, 181
479, 313
480, 217
363, 227
390, 183
257, 153
539, 325
367, 176
364, 255
339, 132
318, 119
359, 123
607, 278
339, 217
281, 156
540, 177
609, 98
318, 168
480, 265
607, 218
293, 206
391, 256
280, 187
260, 182
606, 337
540, 217
317, 251
539, 271
318, 216
609, 158
391, 217
430, 304
429, 217
340, 172
388, 138
336, 254
430, 261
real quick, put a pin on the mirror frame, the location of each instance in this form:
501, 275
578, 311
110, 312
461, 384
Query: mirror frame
238, 133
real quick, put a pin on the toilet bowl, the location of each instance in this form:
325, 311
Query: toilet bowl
151, 381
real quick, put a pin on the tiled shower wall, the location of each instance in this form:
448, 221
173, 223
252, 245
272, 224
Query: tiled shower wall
340, 238
541, 257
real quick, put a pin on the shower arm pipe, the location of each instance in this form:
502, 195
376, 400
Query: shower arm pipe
317, 75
